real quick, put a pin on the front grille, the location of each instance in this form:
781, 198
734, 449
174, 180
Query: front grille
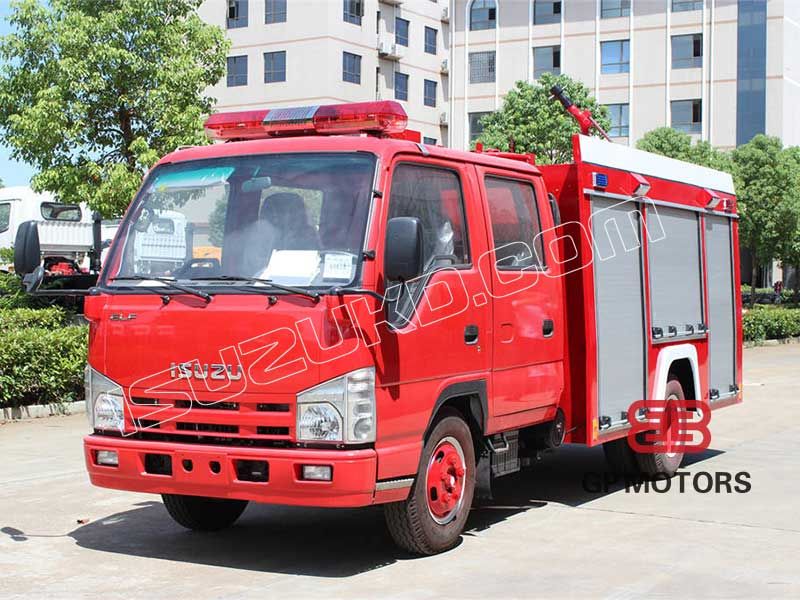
272, 430
206, 421
211, 427
207, 406
207, 440
272, 407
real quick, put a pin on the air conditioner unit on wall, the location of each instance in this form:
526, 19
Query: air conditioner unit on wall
443, 119
389, 50
445, 69
392, 2
446, 14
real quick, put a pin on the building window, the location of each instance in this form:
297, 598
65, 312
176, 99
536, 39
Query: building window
687, 115
615, 8
430, 40
351, 67
618, 113
274, 66
475, 125
401, 31
615, 56
546, 11
687, 51
751, 71
237, 14
430, 93
425, 140
546, 60
481, 67
400, 86
353, 11
686, 5
483, 15
275, 11
237, 71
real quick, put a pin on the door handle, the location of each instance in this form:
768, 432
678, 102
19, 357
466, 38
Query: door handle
547, 327
471, 334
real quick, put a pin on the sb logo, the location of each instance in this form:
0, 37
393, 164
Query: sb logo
669, 426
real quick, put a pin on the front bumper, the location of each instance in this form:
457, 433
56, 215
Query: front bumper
353, 481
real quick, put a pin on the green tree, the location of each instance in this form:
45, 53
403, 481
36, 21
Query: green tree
667, 142
92, 92
536, 123
769, 199
676, 144
790, 254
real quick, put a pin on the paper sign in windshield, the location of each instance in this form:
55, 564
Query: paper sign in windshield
337, 266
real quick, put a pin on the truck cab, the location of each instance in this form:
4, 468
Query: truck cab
336, 317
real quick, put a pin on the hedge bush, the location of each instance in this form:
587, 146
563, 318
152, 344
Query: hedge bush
42, 366
24, 318
12, 294
771, 323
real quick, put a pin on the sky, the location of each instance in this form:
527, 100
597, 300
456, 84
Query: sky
11, 171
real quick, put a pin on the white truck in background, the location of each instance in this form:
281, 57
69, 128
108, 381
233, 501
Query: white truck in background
65, 230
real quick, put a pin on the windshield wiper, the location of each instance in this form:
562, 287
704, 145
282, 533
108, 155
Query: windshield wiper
285, 288
168, 283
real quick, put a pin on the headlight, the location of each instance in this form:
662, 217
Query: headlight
340, 410
104, 402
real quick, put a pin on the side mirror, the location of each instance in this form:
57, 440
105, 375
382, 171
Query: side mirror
403, 254
27, 253
97, 243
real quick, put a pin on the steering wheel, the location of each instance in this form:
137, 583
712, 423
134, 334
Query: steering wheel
199, 267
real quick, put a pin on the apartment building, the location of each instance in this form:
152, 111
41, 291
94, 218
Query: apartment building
720, 70
307, 52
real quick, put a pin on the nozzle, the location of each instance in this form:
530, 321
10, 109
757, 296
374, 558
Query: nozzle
559, 95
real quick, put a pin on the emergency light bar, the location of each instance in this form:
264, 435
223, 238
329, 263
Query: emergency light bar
384, 118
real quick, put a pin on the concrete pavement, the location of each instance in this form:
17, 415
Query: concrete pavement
544, 535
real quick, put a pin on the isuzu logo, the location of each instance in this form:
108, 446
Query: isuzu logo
196, 370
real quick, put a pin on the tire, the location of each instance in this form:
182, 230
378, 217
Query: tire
203, 514
431, 519
663, 465
621, 458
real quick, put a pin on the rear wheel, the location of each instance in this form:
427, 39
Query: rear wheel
665, 464
621, 458
432, 518
203, 514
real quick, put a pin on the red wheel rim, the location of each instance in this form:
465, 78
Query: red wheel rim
445, 479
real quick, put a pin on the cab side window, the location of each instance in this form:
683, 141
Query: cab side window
432, 195
515, 223
5, 216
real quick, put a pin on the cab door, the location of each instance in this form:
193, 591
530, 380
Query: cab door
526, 288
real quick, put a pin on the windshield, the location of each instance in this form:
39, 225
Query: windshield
295, 219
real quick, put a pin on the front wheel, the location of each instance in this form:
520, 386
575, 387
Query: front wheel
432, 518
203, 514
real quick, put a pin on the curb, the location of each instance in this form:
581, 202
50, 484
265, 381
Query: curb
23, 413
781, 342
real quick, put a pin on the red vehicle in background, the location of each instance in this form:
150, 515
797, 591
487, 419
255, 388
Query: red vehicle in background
356, 319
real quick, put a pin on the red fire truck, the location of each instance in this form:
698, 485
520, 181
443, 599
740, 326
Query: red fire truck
349, 317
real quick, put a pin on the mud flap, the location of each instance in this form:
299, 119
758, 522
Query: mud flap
483, 475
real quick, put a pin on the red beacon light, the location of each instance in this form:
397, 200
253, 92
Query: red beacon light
383, 118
